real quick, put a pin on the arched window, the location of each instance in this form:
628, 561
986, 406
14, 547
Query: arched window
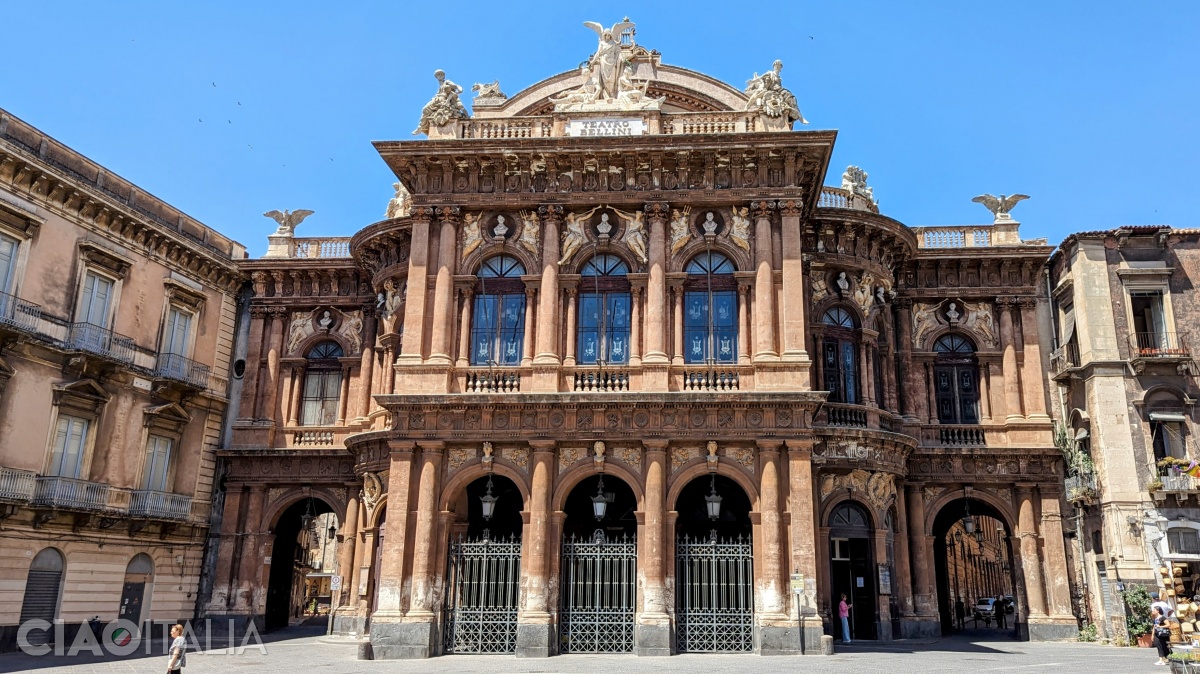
956, 380
849, 515
604, 306
322, 385
43, 586
710, 310
498, 322
839, 355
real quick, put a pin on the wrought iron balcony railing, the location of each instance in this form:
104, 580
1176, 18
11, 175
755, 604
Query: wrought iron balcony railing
65, 493
157, 505
102, 342
17, 313
16, 485
1064, 358
174, 366
1081, 487
1158, 345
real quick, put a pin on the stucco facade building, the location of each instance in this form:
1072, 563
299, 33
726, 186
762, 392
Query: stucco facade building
116, 331
1125, 304
614, 333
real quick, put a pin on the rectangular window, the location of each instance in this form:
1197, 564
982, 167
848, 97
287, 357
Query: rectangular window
158, 463
322, 391
1149, 327
70, 441
1168, 439
96, 299
8, 264
710, 338
498, 329
177, 331
604, 328
1183, 541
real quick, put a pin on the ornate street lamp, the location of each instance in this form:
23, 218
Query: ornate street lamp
488, 502
600, 500
967, 520
713, 500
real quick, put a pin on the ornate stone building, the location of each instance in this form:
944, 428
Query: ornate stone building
1127, 390
117, 318
614, 335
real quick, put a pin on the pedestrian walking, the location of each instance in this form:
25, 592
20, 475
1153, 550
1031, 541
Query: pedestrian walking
1000, 608
960, 612
1162, 635
178, 650
844, 614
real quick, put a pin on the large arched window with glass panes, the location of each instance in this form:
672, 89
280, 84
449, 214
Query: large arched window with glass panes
604, 311
956, 380
710, 310
839, 355
322, 385
498, 321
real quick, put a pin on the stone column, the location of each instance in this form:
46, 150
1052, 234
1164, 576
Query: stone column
1012, 391
388, 635
1030, 559
412, 344
1032, 375
548, 322
996, 392
527, 345
743, 342
931, 393
985, 394
1055, 558
764, 284
573, 326
536, 634
793, 305
345, 567
677, 321
251, 590
635, 326
771, 588
344, 395
921, 560
224, 593
904, 346
801, 508
656, 285
366, 369
297, 390
270, 408
902, 584
653, 631
246, 408
866, 378
464, 328
443, 287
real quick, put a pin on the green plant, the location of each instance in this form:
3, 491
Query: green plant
1078, 461
1169, 461
1184, 656
1137, 610
1154, 486
1089, 633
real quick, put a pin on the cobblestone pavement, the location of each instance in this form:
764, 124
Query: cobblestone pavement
304, 651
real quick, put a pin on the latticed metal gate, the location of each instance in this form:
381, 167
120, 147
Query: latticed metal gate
481, 596
714, 589
597, 590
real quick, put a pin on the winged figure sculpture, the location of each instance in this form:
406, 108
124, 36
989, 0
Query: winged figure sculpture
1001, 205
287, 220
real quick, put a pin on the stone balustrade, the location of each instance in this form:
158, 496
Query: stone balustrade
596, 379
492, 380
705, 378
321, 247
836, 197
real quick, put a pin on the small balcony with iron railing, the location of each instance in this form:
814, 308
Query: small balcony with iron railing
102, 342
1158, 347
1081, 487
186, 371
16, 485
65, 493
1174, 479
18, 315
1064, 359
157, 505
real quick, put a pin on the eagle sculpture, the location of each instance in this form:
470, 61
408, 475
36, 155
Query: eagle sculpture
287, 220
1000, 206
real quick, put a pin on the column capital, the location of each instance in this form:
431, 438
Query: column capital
791, 208
422, 214
801, 447
449, 214
543, 445
768, 444
762, 209
432, 446
655, 444
551, 213
657, 210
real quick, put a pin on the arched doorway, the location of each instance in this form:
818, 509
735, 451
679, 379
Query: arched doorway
852, 568
484, 568
139, 574
973, 560
598, 584
714, 564
292, 558
43, 586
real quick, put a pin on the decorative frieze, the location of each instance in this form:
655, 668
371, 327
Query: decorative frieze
569, 456
519, 456
743, 456
457, 456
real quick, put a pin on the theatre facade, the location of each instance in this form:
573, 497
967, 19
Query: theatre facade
618, 373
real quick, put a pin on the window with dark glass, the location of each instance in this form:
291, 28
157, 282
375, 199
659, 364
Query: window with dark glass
322, 385
839, 356
498, 321
1183, 541
710, 310
956, 380
604, 311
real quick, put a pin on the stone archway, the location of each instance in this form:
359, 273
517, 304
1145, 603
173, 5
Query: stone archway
290, 563
973, 561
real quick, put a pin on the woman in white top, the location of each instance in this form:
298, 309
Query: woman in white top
178, 650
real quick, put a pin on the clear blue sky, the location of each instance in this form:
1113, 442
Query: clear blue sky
1089, 107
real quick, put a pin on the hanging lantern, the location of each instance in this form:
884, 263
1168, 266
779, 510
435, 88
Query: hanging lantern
713, 500
307, 517
600, 500
488, 501
967, 520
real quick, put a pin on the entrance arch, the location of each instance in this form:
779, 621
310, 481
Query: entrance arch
139, 579
295, 533
852, 567
714, 567
973, 562
598, 584
484, 568
43, 588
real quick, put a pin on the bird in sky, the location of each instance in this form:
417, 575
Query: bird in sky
214, 84
202, 120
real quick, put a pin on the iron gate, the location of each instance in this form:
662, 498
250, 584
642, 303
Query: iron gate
597, 590
714, 595
481, 596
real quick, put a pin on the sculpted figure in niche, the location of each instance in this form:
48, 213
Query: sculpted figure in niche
388, 300
443, 108
843, 283
820, 290
862, 293
530, 230
605, 226
952, 313
351, 330
680, 232
573, 236
739, 229
767, 96
635, 233
326, 321
500, 229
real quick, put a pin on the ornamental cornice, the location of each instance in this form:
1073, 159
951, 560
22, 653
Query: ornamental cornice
983, 465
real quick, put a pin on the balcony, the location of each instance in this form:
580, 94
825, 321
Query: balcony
1158, 345
1081, 488
17, 314
706, 378
101, 342
157, 505
1064, 359
175, 367
845, 416
489, 380
65, 493
321, 247
606, 380
836, 197
16, 486
940, 435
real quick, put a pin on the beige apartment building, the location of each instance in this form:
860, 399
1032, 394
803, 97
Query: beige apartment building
117, 317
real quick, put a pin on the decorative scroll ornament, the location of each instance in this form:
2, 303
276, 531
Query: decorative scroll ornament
400, 204
768, 97
680, 232
371, 491
457, 456
739, 229
442, 109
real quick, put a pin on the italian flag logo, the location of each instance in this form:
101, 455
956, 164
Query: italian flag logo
121, 637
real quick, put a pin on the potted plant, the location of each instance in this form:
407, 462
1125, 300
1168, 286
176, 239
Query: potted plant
1184, 662
1137, 614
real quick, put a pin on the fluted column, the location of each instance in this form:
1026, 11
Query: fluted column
413, 342
764, 283
793, 305
366, 369
1031, 562
653, 635
1032, 375
1012, 391
573, 326
772, 587
656, 285
254, 348
548, 322
536, 636
443, 286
